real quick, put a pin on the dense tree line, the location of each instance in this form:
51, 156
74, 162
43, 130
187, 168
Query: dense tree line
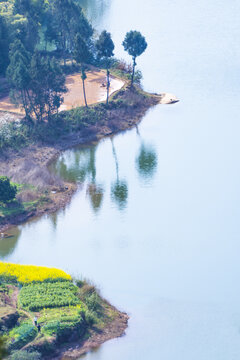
37, 23
36, 36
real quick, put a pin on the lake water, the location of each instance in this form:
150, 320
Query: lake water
155, 222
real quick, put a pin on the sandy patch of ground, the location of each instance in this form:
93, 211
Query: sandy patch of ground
74, 97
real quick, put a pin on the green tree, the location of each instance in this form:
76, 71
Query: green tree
69, 20
105, 47
135, 44
18, 75
37, 83
46, 86
7, 190
4, 45
82, 56
33, 11
3, 351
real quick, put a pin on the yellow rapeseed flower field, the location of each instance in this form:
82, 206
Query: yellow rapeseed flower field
26, 274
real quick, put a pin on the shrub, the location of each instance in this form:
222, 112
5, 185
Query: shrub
48, 295
21, 335
25, 355
3, 351
6, 278
93, 302
7, 190
90, 317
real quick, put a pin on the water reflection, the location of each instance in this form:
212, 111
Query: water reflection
95, 191
54, 220
8, 245
119, 189
79, 166
146, 160
95, 9
75, 166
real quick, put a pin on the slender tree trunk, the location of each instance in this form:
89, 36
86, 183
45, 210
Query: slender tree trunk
108, 84
83, 83
84, 93
133, 72
64, 50
24, 102
32, 106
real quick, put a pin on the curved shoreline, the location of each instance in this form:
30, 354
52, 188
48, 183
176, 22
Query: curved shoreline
113, 330
40, 156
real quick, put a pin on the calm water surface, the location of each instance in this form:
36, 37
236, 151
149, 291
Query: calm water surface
155, 223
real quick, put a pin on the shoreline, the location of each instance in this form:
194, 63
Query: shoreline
112, 330
60, 193
76, 334
41, 156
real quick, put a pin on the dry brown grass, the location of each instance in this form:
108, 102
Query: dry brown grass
28, 172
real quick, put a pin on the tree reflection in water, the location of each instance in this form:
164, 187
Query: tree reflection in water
94, 190
119, 189
146, 161
8, 244
95, 9
80, 166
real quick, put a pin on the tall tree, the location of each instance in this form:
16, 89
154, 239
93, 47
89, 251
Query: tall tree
69, 20
105, 47
37, 83
4, 45
47, 86
18, 75
33, 11
82, 55
135, 44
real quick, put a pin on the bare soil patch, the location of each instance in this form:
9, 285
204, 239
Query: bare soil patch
95, 91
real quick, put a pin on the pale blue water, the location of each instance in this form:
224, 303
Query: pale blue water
166, 249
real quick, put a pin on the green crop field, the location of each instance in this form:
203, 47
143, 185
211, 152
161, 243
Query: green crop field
48, 295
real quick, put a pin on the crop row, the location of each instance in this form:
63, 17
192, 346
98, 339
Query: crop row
48, 295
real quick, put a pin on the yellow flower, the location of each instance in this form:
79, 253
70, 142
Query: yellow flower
26, 274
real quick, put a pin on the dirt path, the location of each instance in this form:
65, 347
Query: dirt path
74, 97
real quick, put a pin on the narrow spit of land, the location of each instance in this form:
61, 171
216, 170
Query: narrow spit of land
42, 192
